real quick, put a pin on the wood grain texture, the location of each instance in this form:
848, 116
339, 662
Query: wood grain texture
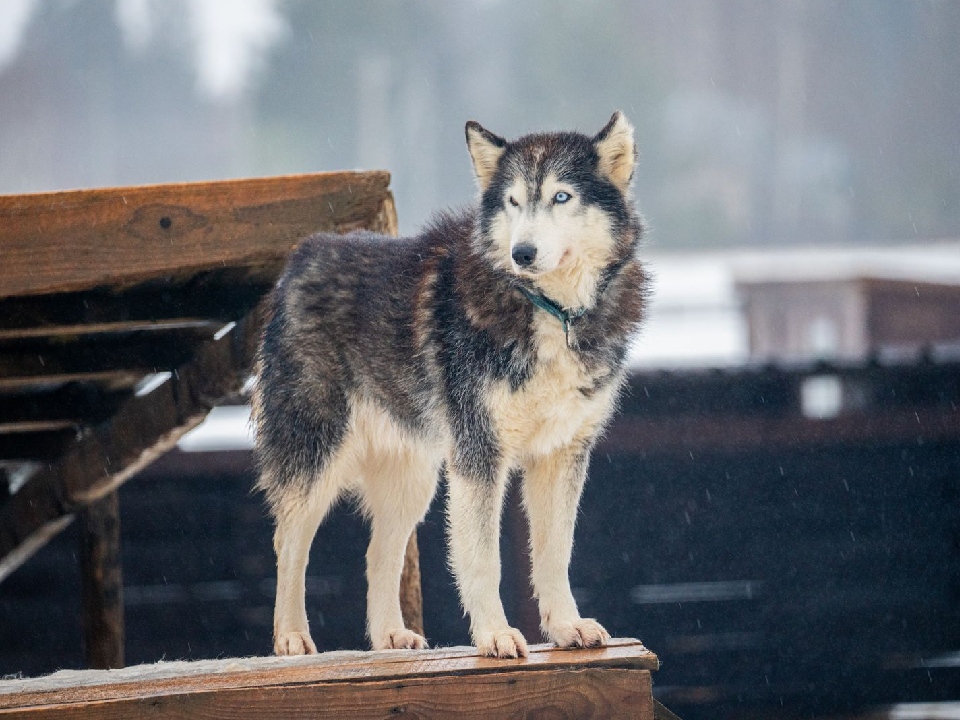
576, 694
344, 680
76, 240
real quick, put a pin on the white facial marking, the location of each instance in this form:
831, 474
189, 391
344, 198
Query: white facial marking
573, 241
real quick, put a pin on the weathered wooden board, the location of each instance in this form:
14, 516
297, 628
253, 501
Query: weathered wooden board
575, 694
604, 682
81, 239
411, 592
101, 583
663, 713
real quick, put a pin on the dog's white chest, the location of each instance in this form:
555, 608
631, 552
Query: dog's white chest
559, 404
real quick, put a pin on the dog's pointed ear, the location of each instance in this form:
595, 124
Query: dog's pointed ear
485, 149
617, 150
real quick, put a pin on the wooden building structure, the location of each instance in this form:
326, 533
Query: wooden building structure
848, 318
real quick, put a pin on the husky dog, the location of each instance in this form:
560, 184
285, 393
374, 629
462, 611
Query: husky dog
494, 340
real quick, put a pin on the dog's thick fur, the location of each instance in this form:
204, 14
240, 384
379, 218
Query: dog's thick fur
385, 360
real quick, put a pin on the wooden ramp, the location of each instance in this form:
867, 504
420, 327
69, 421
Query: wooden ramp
611, 682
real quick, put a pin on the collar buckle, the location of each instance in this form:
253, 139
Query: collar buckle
564, 316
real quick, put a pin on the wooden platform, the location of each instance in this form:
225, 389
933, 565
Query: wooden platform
611, 682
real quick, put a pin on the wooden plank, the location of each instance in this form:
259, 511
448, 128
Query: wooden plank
53, 330
210, 298
106, 380
660, 712
411, 593
123, 236
264, 674
101, 583
560, 694
35, 426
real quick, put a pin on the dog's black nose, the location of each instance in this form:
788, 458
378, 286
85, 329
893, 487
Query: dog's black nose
524, 255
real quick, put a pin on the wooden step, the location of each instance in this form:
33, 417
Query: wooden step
610, 682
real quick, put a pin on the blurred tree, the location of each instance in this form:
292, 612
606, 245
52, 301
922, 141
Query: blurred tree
759, 121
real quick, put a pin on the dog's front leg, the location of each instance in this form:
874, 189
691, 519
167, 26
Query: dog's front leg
551, 492
474, 524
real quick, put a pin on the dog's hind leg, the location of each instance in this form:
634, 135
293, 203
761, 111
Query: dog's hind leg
397, 492
551, 492
298, 514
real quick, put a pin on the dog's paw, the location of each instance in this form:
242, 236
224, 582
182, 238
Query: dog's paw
294, 643
401, 639
503, 643
582, 632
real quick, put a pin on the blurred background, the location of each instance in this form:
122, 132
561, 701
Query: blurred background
776, 511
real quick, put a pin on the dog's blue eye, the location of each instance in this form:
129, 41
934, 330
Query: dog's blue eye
561, 197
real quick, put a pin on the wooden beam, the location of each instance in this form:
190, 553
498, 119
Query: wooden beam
25, 427
662, 713
123, 236
209, 299
101, 583
611, 682
411, 594
106, 380
142, 429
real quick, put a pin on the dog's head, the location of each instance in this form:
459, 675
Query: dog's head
554, 207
